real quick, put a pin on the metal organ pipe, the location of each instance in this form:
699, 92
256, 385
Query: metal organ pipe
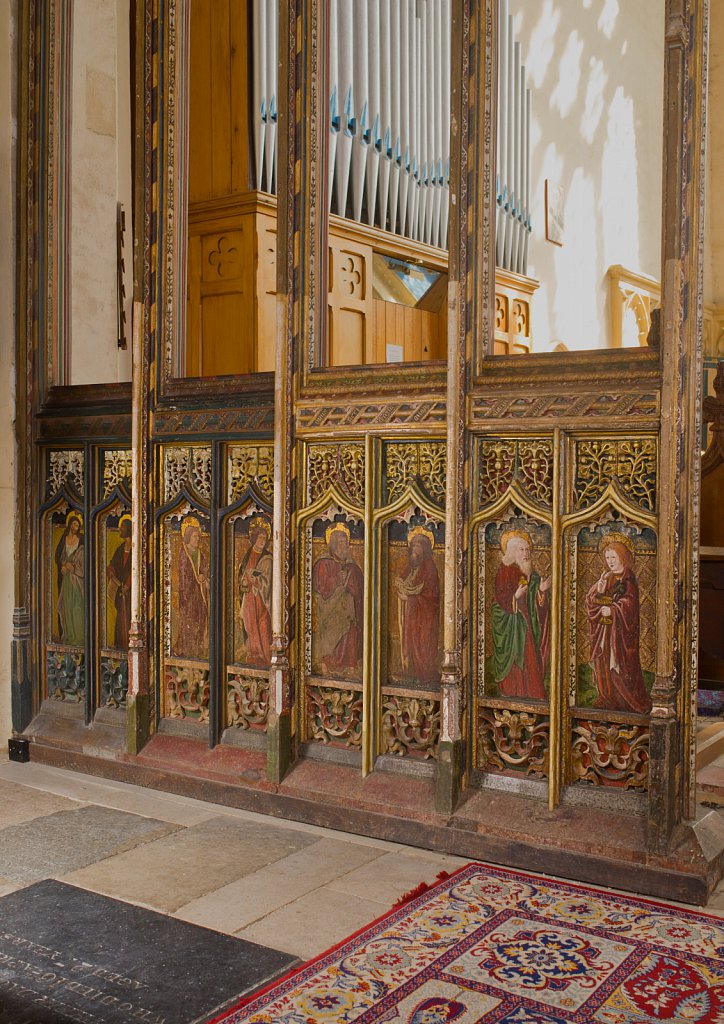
389, 119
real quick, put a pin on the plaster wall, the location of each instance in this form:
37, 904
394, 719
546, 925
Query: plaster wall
596, 70
8, 24
100, 176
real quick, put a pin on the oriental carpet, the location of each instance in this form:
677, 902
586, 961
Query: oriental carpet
495, 946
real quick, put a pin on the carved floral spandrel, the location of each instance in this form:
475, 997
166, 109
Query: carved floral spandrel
632, 463
187, 467
335, 716
66, 465
187, 692
611, 754
340, 464
529, 461
66, 674
114, 682
513, 740
410, 726
423, 462
251, 464
116, 469
247, 699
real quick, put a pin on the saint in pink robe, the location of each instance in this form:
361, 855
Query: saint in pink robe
615, 644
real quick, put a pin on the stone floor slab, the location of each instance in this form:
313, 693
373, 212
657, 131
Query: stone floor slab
310, 925
252, 897
67, 840
388, 878
23, 803
72, 956
191, 862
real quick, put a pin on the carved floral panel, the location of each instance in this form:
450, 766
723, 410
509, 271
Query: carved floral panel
250, 464
420, 462
247, 699
187, 467
410, 726
513, 741
610, 754
528, 461
334, 716
632, 463
339, 464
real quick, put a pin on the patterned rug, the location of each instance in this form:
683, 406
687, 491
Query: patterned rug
493, 946
711, 703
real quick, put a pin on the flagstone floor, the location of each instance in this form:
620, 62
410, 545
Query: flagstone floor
293, 887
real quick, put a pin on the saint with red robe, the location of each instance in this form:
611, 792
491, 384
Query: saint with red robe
613, 610
192, 638
418, 603
520, 621
255, 583
338, 589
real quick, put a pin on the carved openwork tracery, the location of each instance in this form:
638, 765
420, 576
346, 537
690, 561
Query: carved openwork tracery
116, 469
340, 464
513, 741
251, 464
188, 467
247, 698
529, 461
66, 466
632, 463
187, 692
421, 462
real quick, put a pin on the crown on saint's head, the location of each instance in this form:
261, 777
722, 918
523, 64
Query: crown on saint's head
336, 528
616, 537
508, 536
260, 523
188, 522
421, 531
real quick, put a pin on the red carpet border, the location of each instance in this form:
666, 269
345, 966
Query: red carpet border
493, 946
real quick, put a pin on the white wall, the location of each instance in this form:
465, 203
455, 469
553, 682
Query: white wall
596, 71
100, 163
7, 349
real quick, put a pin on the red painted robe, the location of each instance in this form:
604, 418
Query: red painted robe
255, 587
615, 645
339, 591
520, 635
420, 632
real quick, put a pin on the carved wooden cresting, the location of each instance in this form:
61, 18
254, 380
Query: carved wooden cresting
476, 568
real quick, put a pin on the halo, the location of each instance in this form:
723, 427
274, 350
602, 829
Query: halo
260, 523
508, 536
336, 528
125, 518
421, 531
188, 522
74, 515
616, 537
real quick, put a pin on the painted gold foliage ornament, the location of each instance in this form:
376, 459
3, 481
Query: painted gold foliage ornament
187, 467
422, 462
66, 675
529, 461
251, 464
632, 463
247, 698
611, 754
187, 692
67, 465
513, 740
116, 469
410, 726
335, 716
340, 464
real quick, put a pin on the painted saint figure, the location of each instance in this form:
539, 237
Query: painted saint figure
254, 586
520, 616
118, 575
613, 610
418, 609
338, 588
192, 640
70, 561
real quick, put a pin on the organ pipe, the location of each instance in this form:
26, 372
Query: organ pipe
389, 119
